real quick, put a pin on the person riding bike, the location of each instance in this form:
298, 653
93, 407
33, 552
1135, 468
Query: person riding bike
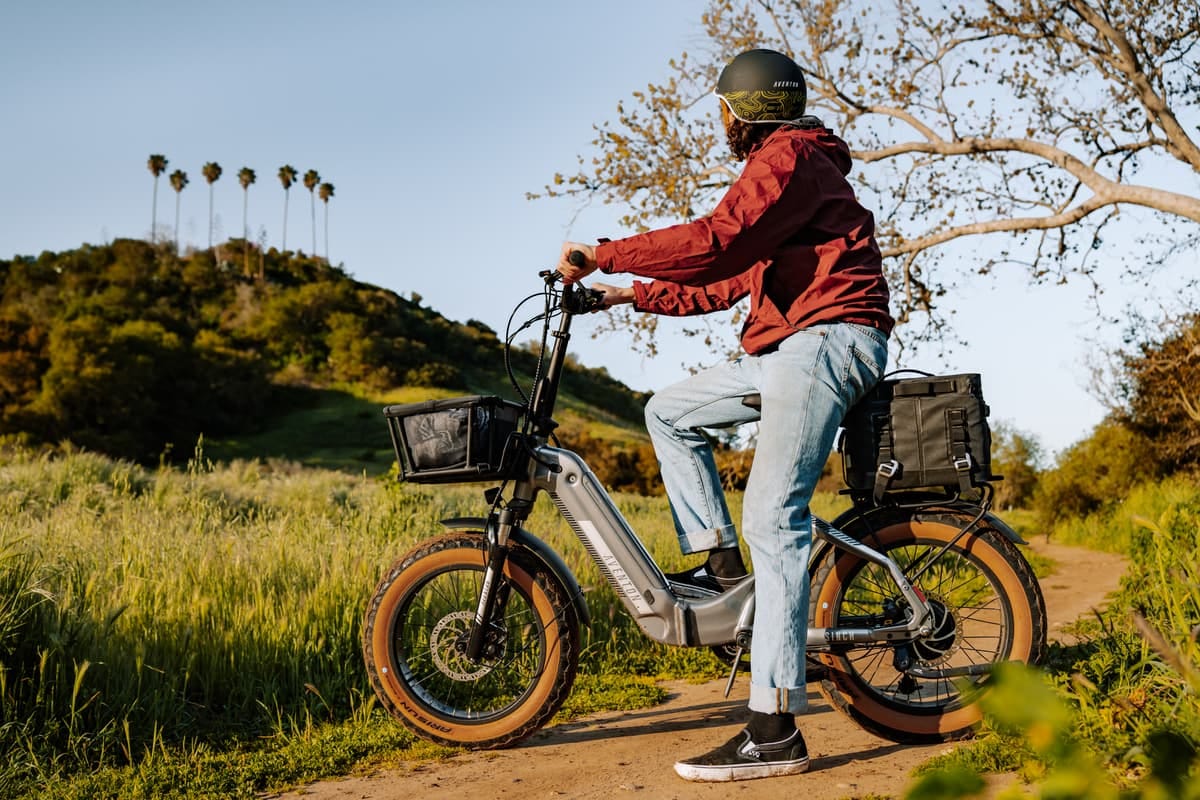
790, 235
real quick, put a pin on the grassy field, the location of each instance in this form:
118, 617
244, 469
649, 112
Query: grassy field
195, 633
150, 620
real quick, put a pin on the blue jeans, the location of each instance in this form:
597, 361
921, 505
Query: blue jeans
807, 384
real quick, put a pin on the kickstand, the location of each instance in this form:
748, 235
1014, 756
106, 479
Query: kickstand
737, 662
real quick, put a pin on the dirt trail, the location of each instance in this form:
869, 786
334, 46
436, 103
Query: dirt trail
630, 754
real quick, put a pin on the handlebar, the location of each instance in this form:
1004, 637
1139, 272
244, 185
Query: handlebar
575, 258
577, 299
571, 300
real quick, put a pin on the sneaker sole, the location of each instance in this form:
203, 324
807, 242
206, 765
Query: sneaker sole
740, 772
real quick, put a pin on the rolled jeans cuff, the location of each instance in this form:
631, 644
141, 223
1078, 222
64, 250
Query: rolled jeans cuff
696, 541
773, 700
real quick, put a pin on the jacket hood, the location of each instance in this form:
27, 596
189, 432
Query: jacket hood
815, 132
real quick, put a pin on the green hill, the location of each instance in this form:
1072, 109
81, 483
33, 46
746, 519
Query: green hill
129, 350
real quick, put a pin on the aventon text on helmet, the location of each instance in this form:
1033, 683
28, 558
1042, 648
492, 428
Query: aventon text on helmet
786, 85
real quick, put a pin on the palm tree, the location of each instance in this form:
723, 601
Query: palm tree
157, 165
246, 177
326, 192
179, 180
212, 171
287, 176
311, 179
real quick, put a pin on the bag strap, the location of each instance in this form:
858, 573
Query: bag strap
957, 423
918, 388
887, 465
891, 375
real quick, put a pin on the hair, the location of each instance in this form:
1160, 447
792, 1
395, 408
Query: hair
743, 137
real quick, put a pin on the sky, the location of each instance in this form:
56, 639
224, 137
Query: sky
432, 120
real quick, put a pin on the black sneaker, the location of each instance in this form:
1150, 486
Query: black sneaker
702, 578
741, 759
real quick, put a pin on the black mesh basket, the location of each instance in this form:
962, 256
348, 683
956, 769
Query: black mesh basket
458, 440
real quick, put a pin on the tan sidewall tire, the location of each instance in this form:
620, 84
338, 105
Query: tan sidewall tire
847, 694
522, 720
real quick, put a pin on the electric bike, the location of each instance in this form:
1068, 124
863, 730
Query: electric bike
472, 638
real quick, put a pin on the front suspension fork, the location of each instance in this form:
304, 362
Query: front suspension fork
491, 596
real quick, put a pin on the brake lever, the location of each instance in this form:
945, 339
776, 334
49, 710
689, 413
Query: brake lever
582, 300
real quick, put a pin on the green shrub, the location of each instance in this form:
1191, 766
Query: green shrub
1094, 473
1117, 715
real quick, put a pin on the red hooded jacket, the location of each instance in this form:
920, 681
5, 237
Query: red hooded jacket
789, 233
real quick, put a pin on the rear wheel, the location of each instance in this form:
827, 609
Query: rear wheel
987, 608
414, 640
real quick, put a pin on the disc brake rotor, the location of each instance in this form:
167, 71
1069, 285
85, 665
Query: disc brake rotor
447, 641
943, 641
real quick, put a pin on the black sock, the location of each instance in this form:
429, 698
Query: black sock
770, 727
726, 562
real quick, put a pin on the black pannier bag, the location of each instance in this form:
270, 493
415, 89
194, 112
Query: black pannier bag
918, 433
457, 440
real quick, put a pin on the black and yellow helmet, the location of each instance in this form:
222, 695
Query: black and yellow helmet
763, 86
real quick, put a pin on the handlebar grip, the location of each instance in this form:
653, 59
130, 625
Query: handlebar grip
576, 258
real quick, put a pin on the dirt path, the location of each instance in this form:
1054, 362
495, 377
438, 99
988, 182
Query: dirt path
630, 754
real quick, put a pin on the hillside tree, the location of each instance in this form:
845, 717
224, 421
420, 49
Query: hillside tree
1032, 123
246, 177
157, 164
287, 176
326, 192
211, 171
179, 179
311, 179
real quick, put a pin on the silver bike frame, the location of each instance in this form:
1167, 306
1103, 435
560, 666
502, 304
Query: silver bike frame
643, 588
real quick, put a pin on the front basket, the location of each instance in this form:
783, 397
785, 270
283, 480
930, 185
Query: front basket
459, 440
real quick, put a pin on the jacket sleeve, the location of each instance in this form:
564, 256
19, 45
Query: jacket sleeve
677, 300
770, 201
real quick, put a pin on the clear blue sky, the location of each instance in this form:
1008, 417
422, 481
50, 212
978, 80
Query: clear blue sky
432, 120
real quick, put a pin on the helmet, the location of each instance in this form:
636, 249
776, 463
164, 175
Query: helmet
763, 86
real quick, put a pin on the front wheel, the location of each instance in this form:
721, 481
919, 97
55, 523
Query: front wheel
987, 607
414, 640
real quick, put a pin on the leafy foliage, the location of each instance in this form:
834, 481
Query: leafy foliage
130, 350
1095, 472
1160, 387
1016, 456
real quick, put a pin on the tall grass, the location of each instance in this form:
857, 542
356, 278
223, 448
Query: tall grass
1114, 527
157, 607
1118, 714
146, 614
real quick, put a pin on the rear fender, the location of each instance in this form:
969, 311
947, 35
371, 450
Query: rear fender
845, 522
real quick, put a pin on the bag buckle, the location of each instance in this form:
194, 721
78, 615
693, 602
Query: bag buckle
963, 463
889, 468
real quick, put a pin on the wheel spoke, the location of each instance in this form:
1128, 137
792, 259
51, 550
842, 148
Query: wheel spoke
969, 628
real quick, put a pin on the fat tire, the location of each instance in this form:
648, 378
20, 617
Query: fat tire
552, 624
990, 550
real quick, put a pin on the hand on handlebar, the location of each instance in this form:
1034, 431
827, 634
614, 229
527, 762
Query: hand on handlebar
569, 259
613, 295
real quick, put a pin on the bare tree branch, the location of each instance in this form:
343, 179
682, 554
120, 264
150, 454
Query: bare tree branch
965, 121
